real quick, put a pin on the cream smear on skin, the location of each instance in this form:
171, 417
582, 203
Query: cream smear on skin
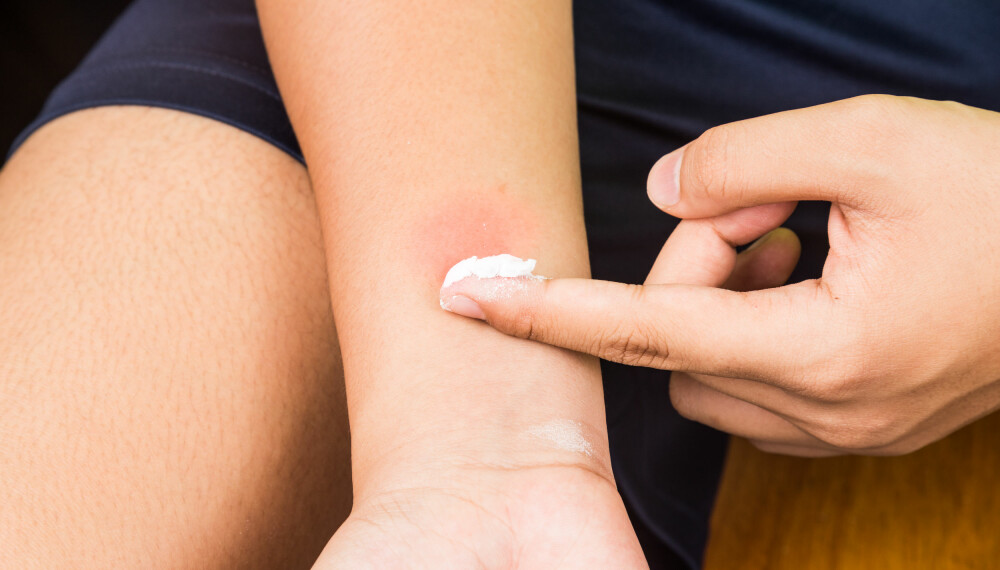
563, 434
503, 265
513, 269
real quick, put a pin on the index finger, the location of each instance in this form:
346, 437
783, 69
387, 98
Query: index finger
766, 335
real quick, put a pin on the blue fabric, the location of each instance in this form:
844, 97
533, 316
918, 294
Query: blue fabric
652, 75
201, 56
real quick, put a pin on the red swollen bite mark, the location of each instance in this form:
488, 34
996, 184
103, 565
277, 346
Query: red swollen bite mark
468, 227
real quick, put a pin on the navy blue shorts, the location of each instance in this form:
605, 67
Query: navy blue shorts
652, 75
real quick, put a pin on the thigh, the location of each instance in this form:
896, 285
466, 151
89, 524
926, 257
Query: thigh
171, 392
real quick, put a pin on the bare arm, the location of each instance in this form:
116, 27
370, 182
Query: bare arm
434, 132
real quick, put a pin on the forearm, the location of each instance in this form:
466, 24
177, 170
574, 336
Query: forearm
433, 134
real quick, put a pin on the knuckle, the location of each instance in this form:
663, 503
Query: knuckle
522, 325
842, 385
839, 374
632, 340
529, 319
842, 436
628, 346
826, 388
681, 397
859, 431
637, 350
708, 159
879, 112
879, 133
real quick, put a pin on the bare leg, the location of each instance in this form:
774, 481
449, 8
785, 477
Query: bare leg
171, 392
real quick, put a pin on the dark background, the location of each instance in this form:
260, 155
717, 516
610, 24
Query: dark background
41, 41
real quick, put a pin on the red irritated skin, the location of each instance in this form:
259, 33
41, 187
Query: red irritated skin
467, 227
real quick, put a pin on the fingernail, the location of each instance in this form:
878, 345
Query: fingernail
760, 241
777, 234
461, 305
664, 184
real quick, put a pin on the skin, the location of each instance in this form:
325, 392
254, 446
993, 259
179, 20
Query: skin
448, 117
197, 439
445, 112
466, 226
171, 393
171, 374
893, 348
179, 403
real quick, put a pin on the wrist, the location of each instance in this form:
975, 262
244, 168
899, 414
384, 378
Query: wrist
544, 408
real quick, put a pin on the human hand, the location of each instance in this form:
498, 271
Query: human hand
896, 346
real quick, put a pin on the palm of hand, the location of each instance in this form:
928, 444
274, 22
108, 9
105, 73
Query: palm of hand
545, 517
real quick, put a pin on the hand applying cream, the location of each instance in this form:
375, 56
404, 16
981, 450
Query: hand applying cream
486, 268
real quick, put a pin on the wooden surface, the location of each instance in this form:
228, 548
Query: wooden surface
938, 508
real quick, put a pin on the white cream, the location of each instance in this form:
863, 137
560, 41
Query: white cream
563, 434
503, 265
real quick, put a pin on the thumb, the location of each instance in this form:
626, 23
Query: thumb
676, 327
803, 154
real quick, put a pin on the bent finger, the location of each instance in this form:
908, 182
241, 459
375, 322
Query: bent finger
769, 262
697, 401
703, 252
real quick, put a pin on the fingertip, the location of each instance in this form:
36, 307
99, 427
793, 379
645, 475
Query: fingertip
786, 234
789, 237
462, 305
663, 186
783, 237
767, 263
681, 391
491, 299
787, 241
